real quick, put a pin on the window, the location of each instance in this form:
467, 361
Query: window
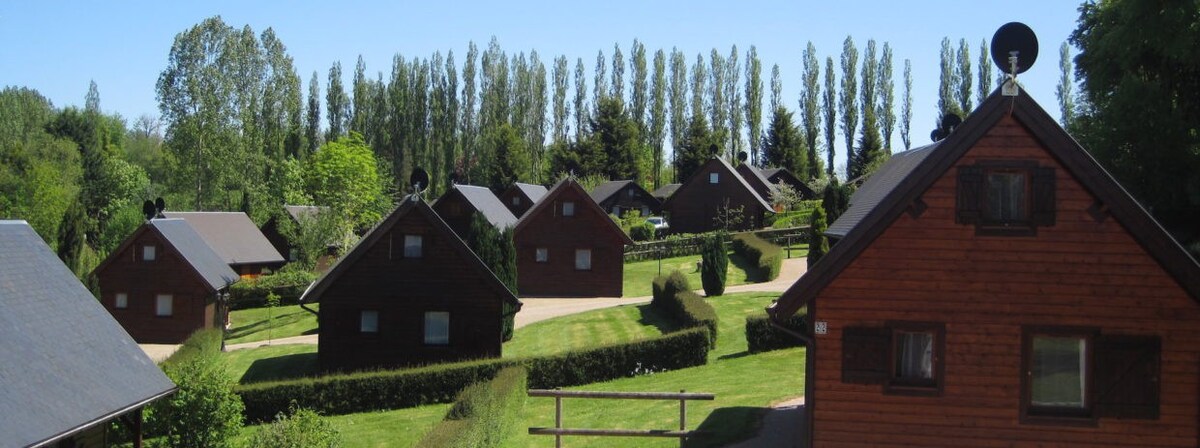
714, 178
437, 328
632, 192
121, 301
568, 208
163, 305
906, 357
541, 255
368, 321
516, 200
1056, 365
412, 246
583, 259
292, 253
148, 253
1006, 197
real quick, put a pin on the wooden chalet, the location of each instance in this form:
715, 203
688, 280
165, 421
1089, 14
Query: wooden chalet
776, 175
664, 192
164, 282
755, 178
1000, 288
712, 190
621, 196
519, 197
409, 293
235, 238
567, 246
459, 205
67, 369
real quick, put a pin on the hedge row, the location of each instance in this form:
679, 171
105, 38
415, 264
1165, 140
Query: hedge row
483, 415
394, 389
289, 285
672, 295
762, 336
207, 341
766, 257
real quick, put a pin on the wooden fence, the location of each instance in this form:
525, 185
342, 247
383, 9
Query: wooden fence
558, 431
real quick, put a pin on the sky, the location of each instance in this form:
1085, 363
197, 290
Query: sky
57, 47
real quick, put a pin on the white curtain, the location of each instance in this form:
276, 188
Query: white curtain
916, 356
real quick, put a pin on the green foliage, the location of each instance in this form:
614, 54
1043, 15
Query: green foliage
619, 138
698, 145
72, 237
761, 336
642, 232
673, 296
766, 257
121, 223
204, 411
511, 161
391, 389
818, 243
714, 265
302, 429
783, 145
342, 175
495, 248
485, 414
835, 199
313, 234
288, 284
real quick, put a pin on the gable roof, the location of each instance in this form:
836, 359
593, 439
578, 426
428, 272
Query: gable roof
557, 190
531, 191
877, 187
756, 180
65, 364
665, 191
196, 253
485, 202
232, 235
940, 157
775, 175
411, 204
301, 211
606, 190
741, 181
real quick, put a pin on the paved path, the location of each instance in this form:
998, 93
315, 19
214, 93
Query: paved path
780, 427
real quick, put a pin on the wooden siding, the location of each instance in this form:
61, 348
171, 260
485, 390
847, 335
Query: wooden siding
456, 211
401, 290
517, 210
695, 204
1078, 272
193, 307
561, 236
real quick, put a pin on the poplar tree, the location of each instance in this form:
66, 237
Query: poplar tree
678, 100
947, 82
776, 88
312, 131
658, 114
336, 104
887, 98
561, 115
717, 107
699, 78
360, 116
829, 104
754, 97
469, 129
600, 84
962, 74
733, 73
810, 108
870, 147
536, 128
638, 99
581, 109
849, 100
1066, 100
985, 72
906, 107
618, 73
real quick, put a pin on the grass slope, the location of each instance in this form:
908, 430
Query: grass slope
601, 327
271, 362
252, 325
384, 429
639, 274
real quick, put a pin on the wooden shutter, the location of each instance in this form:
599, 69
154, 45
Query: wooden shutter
1043, 187
1127, 376
970, 190
865, 354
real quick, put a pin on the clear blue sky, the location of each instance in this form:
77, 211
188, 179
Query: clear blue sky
58, 47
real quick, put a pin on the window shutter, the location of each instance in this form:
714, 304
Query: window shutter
970, 188
1043, 187
1127, 376
865, 354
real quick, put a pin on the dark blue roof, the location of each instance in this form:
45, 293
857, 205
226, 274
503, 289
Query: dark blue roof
878, 186
487, 203
180, 234
65, 363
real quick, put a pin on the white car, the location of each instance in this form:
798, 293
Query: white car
660, 224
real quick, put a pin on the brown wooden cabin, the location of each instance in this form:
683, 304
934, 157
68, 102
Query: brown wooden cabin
621, 196
568, 247
999, 288
236, 239
164, 282
67, 369
409, 293
520, 197
696, 205
459, 205
776, 175
755, 178
664, 192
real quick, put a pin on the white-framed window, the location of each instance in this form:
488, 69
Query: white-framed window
583, 259
568, 208
412, 246
617, 210
148, 253
121, 301
714, 178
164, 305
541, 255
437, 327
368, 321
516, 200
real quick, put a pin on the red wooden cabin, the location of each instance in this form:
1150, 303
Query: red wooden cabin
459, 205
620, 196
234, 237
713, 190
999, 288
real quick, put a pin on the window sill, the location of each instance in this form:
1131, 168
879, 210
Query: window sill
1046, 419
1005, 230
912, 390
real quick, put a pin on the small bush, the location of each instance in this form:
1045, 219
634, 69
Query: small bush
642, 232
288, 284
714, 265
302, 429
767, 258
484, 414
674, 297
818, 243
204, 411
761, 336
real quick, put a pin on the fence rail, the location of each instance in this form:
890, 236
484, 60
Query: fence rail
558, 431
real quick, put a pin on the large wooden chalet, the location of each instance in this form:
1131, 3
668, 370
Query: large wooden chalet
459, 205
1000, 288
236, 239
409, 293
520, 197
621, 196
715, 189
567, 246
67, 370
164, 282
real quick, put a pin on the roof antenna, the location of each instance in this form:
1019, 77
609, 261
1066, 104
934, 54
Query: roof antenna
1014, 49
418, 182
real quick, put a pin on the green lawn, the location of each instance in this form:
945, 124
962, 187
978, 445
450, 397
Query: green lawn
271, 362
398, 428
251, 325
639, 274
601, 327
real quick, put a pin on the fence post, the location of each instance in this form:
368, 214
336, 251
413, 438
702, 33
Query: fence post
682, 418
557, 419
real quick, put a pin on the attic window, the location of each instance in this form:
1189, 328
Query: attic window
632, 192
437, 328
412, 246
568, 208
148, 253
541, 255
583, 259
1006, 197
368, 321
121, 301
714, 178
516, 200
164, 305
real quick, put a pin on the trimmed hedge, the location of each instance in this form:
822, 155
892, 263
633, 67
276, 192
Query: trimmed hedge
395, 389
289, 285
761, 336
483, 415
673, 296
766, 257
202, 342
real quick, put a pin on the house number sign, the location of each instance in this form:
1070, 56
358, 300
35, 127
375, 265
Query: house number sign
821, 327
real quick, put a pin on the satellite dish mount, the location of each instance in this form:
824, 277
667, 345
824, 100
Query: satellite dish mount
1014, 50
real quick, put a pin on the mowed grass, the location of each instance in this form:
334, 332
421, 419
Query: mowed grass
639, 274
252, 325
383, 429
271, 362
601, 327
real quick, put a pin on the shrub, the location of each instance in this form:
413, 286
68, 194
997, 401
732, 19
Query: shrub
818, 244
642, 232
204, 411
302, 429
394, 389
715, 264
675, 298
288, 284
484, 414
767, 258
761, 336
